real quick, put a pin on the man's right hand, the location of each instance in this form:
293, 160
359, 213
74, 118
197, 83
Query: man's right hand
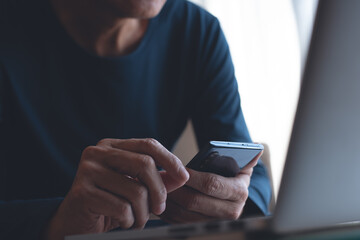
117, 185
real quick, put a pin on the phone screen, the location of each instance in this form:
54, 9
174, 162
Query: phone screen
226, 160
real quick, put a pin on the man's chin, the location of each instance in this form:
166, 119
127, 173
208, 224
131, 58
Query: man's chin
142, 9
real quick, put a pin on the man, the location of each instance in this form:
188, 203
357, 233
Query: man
87, 87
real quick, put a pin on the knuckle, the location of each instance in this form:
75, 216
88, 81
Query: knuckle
146, 162
192, 203
242, 193
104, 141
125, 216
87, 167
162, 193
234, 214
88, 151
212, 184
91, 151
125, 209
140, 193
125, 223
151, 142
142, 221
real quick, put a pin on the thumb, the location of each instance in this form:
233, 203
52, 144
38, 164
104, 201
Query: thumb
170, 183
253, 162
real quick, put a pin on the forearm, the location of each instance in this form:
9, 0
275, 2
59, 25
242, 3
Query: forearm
26, 219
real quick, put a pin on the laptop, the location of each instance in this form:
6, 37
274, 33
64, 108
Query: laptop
320, 186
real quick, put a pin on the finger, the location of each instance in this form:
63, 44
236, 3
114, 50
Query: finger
217, 186
135, 165
130, 189
176, 214
253, 162
170, 183
158, 152
143, 167
194, 201
244, 178
104, 203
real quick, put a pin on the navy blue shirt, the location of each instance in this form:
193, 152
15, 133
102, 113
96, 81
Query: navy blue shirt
56, 99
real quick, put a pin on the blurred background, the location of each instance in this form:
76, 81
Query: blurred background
268, 42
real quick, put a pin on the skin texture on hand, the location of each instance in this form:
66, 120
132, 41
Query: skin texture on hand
117, 185
207, 196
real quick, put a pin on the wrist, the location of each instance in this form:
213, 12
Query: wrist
52, 229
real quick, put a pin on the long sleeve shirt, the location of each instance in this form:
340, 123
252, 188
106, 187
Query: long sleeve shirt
56, 98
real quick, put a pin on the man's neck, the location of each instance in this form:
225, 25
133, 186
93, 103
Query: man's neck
101, 34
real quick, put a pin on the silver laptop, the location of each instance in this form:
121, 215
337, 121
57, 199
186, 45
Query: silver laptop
321, 181
320, 186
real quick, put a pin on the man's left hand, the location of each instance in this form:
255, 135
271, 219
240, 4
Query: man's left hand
207, 196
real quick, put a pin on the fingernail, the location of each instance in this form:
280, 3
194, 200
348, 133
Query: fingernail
162, 207
185, 173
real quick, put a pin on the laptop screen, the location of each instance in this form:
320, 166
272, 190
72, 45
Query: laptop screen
320, 183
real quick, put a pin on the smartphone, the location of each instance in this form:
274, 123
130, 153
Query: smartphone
224, 158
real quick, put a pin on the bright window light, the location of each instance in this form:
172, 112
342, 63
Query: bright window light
265, 48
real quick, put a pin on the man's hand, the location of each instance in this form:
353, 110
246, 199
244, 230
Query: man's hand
208, 196
117, 185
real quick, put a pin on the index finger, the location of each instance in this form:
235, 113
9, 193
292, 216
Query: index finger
158, 152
